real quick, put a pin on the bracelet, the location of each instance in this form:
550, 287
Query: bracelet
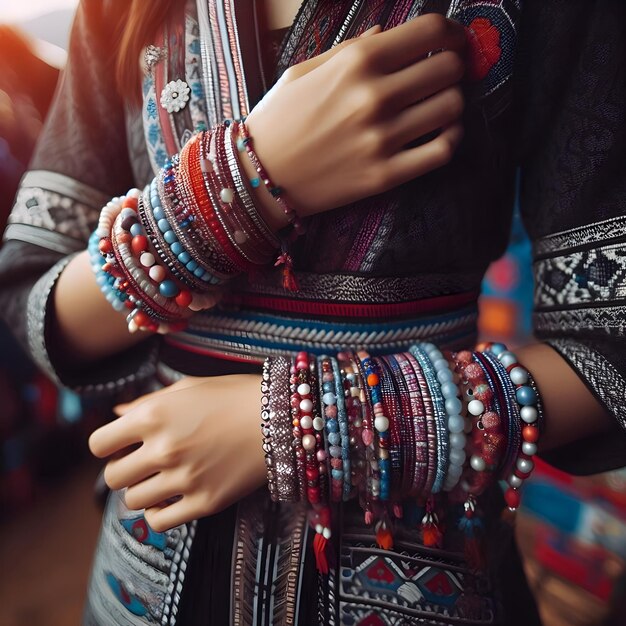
245, 143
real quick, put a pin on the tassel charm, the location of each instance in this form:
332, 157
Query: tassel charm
320, 545
431, 535
471, 525
384, 537
289, 278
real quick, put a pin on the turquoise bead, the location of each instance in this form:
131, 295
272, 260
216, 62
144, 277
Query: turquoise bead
191, 266
136, 229
163, 225
170, 237
184, 257
498, 348
334, 439
158, 213
198, 272
449, 389
177, 248
168, 289
526, 395
329, 398
332, 426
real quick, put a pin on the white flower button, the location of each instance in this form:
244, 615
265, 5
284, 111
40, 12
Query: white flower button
175, 96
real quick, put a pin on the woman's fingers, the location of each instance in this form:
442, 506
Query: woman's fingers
400, 46
151, 492
423, 79
162, 518
409, 164
130, 469
439, 111
117, 435
296, 71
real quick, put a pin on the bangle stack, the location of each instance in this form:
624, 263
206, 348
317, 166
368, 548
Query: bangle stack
193, 228
421, 428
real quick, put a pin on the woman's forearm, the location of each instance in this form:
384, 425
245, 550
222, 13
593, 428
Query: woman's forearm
572, 412
87, 328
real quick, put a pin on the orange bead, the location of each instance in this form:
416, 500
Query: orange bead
183, 299
139, 244
125, 238
372, 380
129, 203
530, 434
141, 319
105, 246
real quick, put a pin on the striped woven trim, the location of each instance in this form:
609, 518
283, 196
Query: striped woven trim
352, 310
253, 337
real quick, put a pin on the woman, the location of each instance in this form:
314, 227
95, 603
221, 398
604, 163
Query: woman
370, 126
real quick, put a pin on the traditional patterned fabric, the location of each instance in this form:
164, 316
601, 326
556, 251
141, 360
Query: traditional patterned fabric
138, 574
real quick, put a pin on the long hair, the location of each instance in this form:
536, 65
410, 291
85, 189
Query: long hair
138, 22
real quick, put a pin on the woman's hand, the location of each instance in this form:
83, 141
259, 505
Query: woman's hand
336, 130
199, 447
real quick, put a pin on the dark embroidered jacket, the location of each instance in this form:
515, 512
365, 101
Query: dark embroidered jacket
560, 120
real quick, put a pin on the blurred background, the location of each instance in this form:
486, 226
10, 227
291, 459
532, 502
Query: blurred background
572, 531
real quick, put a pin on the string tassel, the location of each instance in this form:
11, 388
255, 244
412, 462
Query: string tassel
471, 525
431, 535
289, 278
384, 537
320, 545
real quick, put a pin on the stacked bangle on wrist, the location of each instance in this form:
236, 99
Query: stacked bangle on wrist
398, 429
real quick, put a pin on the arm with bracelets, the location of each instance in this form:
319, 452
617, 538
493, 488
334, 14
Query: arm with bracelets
422, 428
160, 253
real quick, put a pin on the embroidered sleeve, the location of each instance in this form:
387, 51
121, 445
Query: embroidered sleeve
81, 161
580, 310
571, 109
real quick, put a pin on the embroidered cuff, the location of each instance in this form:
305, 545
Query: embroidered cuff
108, 377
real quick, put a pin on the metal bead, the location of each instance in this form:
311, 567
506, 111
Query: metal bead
519, 376
524, 465
529, 414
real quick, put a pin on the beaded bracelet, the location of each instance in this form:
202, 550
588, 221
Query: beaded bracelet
233, 164
493, 427
527, 398
381, 425
342, 418
397, 406
328, 394
508, 410
455, 420
245, 143
372, 479
298, 382
248, 237
352, 392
